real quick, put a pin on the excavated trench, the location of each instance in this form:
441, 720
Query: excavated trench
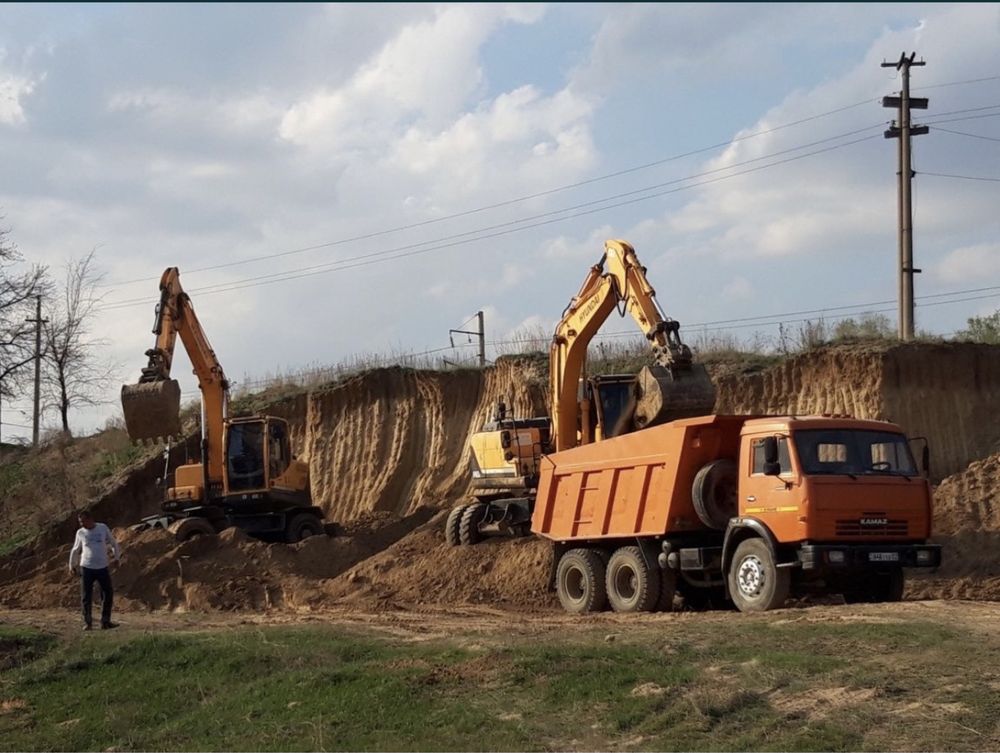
387, 454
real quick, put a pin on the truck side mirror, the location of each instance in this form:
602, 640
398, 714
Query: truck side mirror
771, 465
925, 460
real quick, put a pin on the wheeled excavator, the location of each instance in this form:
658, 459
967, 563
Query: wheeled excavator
247, 476
505, 457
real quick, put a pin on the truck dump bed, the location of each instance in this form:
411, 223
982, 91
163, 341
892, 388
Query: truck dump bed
638, 484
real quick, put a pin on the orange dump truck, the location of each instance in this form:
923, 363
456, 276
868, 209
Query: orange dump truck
745, 508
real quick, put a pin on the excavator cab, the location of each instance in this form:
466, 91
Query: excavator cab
612, 397
257, 453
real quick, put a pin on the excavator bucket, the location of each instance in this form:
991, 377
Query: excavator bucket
152, 409
665, 396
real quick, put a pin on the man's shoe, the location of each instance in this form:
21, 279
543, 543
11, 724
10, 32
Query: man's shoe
108, 625
87, 627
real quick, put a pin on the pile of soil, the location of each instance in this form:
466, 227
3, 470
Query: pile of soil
379, 560
967, 525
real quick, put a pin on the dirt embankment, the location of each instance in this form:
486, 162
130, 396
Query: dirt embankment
395, 439
946, 392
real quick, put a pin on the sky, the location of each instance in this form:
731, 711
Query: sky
341, 180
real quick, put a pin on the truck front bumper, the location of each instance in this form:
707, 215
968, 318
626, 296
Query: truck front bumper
868, 556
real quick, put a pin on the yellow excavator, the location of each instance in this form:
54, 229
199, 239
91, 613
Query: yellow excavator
505, 457
247, 476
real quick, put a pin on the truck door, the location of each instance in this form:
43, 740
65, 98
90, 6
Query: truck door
770, 498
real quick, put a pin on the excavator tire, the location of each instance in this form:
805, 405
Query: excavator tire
632, 586
714, 493
664, 396
468, 527
451, 526
186, 529
580, 581
152, 410
302, 526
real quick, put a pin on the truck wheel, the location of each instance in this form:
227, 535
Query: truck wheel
468, 526
451, 525
632, 586
580, 581
755, 583
668, 587
189, 528
302, 526
714, 493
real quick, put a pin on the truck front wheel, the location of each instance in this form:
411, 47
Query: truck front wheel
580, 581
632, 586
756, 584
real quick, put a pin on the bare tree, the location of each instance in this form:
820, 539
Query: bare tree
19, 284
75, 372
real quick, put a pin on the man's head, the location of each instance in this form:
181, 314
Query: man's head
86, 519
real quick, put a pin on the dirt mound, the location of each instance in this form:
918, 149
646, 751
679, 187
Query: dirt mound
967, 525
380, 560
940, 391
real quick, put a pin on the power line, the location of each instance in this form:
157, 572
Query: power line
517, 200
970, 135
402, 251
957, 83
961, 177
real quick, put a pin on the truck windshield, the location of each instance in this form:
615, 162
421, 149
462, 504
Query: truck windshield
853, 451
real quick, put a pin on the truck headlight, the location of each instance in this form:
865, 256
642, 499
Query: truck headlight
924, 555
836, 557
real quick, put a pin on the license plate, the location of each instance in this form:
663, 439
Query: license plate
883, 557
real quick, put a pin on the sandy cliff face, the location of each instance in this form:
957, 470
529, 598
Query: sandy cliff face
395, 439
949, 393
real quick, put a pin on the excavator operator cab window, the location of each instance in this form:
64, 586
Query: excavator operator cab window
614, 405
279, 452
245, 456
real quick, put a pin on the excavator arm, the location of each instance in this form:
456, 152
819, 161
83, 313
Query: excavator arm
152, 407
672, 388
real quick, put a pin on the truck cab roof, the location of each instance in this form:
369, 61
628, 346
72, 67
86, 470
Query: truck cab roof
791, 423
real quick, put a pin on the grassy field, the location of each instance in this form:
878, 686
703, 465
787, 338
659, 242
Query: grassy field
728, 684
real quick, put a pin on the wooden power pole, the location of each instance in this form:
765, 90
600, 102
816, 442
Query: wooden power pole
903, 130
480, 333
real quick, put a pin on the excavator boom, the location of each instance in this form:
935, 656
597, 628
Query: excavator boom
673, 388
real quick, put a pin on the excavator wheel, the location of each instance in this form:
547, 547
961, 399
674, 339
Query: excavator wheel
152, 410
452, 525
302, 526
468, 527
186, 529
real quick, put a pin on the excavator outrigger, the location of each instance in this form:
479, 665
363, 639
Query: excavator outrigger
247, 476
505, 457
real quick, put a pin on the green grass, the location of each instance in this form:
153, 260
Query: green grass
109, 463
668, 685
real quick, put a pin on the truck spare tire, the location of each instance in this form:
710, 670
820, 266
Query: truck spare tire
714, 493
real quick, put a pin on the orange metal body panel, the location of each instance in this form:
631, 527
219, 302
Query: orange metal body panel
638, 484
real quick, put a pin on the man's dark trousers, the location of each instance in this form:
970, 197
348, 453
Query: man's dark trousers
103, 578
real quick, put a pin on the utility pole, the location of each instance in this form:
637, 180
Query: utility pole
38, 322
903, 130
480, 333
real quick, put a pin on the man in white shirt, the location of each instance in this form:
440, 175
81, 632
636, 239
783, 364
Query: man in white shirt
90, 552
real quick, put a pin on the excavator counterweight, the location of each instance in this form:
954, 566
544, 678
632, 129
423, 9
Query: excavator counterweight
152, 409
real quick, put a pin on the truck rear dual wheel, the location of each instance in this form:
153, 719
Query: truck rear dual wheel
756, 584
580, 581
632, 586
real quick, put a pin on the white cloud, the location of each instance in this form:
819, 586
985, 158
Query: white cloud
14, 89
969, 264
